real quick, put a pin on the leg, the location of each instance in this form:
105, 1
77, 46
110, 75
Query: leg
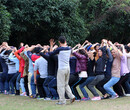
109, 84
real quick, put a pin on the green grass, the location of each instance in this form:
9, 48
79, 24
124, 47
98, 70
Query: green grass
24, 103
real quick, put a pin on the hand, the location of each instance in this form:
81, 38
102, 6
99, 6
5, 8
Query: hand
52, 42
109, 42
86, 41
26, 46
56, 46
35, 81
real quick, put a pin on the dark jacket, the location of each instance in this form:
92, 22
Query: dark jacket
101, 62
81, 64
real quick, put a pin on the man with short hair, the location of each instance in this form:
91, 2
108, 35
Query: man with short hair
63, 71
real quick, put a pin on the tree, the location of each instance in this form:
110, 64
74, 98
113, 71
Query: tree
4, 23
108, 19
36, 21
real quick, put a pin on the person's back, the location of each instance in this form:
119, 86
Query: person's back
63, 71
63, 57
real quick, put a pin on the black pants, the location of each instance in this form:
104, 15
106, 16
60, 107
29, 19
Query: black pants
100, 85
73, 87
41, 90
73, 79
26, 84
118, 86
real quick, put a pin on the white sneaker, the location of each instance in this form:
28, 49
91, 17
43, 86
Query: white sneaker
96, 98
128, 95
23, 94
47, 98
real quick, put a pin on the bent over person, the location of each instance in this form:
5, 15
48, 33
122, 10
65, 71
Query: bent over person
63, 71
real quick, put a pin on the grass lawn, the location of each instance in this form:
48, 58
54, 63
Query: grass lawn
24, 103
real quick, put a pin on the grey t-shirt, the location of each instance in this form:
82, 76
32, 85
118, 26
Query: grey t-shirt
41, 66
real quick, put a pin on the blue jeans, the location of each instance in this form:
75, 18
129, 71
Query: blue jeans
109, 84
18, 82
45, 86
52, 85
3, 82
33, 85
22, 84
12, 82
81, 86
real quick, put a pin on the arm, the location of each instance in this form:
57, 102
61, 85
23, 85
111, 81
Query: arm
115, 48
44, 56
21, 49
35, 72
110, 55
35, 75
17, 55
12, 58
54, 52
104, 53
79, 56
84, 43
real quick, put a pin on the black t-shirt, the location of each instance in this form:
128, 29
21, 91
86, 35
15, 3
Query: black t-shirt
90, 67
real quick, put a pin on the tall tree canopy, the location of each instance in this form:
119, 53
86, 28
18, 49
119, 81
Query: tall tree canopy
36, 21
4, 23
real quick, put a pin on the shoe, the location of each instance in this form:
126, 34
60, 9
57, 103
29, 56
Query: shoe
72, 100
17, 92
60, 103
96, 98
12, 94
114, 97
23, 94
47, 98
33, 96
40, 98
55, 98
1, 92
6, 92
85, 99
127, 95
105, 97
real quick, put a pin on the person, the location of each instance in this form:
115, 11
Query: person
41, 65
100, 85
63, 71
124, 72
115, 72
91, 75
99, 71
81, 70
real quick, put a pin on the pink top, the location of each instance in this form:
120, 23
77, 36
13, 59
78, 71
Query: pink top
124, 67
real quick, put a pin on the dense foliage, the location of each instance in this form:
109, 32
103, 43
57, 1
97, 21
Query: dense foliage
36, 21
108, 19
4, 23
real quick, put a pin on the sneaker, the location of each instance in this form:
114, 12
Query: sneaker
6, 92
105, 97
60, 103
72, 100
33, 96
85, 99
127, 95
12, 94
40, 98
55, 98
47, 98
23, 94
96, 98
114, 97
